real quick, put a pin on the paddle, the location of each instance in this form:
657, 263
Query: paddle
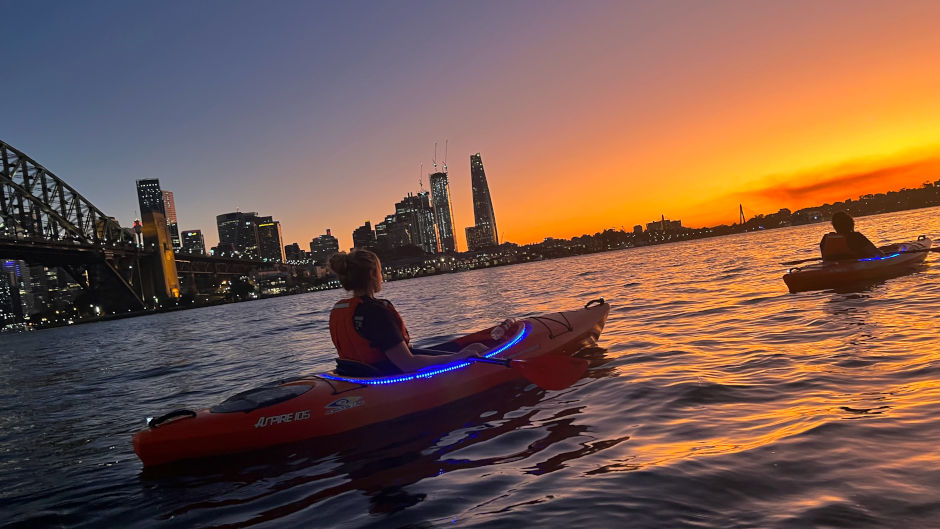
548, 372
790, 263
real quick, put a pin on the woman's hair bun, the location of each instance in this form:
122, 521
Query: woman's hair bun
338, 263
357, 270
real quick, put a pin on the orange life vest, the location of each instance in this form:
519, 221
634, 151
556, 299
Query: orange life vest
835, 247
349, 343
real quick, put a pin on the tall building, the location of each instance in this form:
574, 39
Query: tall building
269, 240
152, 199
294, 254
150, 196
322, 247
484, 232
169, 207
416, 211
11, 304
238, 233
193, 242
478, 238
364, 237
392, 233
443, 212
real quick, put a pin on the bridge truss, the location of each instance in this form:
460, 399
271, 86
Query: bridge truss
43, 220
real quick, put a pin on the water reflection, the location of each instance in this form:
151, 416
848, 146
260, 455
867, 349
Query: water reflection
849, 309
716, 399
379, 462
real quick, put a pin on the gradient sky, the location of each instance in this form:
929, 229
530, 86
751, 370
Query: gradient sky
588, 115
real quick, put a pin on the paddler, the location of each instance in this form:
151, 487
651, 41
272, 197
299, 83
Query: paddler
845, 242
369, 330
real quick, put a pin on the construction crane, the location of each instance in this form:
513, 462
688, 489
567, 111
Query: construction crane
445, 155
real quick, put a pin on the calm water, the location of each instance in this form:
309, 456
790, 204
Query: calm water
715, 399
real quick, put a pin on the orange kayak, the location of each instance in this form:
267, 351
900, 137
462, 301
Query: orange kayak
898, 260
330, 403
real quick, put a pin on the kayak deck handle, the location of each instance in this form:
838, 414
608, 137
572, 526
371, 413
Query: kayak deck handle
175, 414
598, 301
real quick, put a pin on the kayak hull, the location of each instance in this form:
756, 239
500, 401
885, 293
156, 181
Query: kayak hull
900, 259
325, 404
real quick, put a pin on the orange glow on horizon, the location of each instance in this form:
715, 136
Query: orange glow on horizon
797, 190
584, 134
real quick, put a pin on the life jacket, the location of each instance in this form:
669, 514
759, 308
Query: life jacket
349, 343
835, 247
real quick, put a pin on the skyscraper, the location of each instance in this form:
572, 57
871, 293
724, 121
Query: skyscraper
193, 242
150, 197
443, 211
322, 247
364, 237
238, 233
169, 207
11, 305
484, 233
416, 211
478, 238
392, 233
294, 254
153, 200
269, 240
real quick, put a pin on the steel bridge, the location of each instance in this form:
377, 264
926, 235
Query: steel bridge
45, 221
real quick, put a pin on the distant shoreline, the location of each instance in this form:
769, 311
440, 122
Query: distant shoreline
176, 308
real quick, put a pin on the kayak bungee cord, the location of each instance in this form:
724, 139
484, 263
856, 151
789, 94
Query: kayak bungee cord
551, 333
432, 371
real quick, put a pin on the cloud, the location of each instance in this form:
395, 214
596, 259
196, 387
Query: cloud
847, 181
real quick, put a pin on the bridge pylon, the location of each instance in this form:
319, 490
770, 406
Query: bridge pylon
160, 277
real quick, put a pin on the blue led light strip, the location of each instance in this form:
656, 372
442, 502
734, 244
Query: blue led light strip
880, 257
431, 371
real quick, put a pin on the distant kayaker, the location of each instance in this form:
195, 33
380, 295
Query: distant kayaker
845, 242
370, 330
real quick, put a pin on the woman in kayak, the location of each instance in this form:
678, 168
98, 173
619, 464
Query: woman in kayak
845, 242
369, 330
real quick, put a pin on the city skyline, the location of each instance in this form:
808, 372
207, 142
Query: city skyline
30, 289
618, 111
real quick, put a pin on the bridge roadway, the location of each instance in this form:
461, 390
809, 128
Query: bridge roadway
60, 253
199, 273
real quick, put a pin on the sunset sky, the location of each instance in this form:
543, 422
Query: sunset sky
589, 115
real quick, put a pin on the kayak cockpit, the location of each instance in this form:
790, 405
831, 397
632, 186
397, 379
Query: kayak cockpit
519, 334
258, 398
